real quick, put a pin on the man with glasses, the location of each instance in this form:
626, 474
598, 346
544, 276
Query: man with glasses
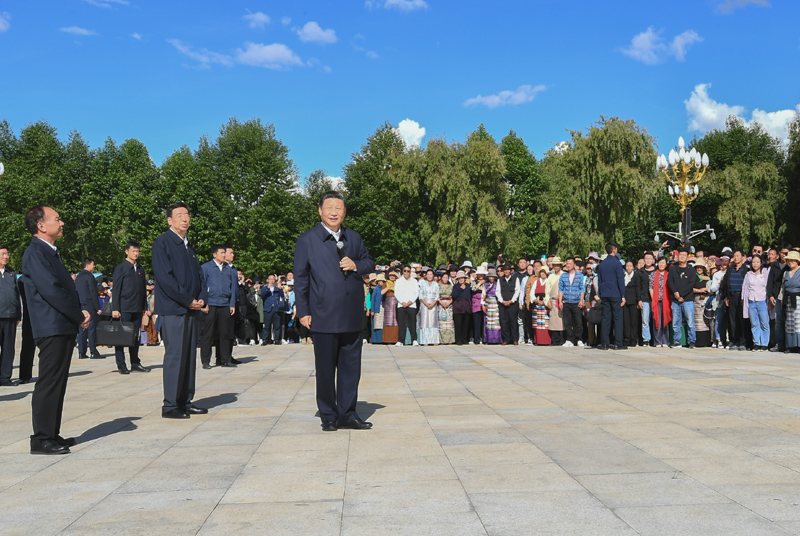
406, 290
180, 295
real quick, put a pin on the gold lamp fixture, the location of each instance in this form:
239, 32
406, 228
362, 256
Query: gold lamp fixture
683, 170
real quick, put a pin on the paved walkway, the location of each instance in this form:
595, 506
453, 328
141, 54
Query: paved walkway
467, 441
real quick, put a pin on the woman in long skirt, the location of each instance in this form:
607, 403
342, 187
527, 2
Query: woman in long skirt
447, 326
390, 329
541, 333
791, 290
702, 326
491, 325
662, 306
428, 309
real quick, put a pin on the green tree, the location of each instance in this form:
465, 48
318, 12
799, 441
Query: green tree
791, 173
524, 178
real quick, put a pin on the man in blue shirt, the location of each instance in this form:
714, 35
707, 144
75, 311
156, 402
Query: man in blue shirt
611, 290
570, 294
221, 306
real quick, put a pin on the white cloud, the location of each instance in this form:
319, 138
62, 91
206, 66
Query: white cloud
256, 20
411, 132
337, 183
137, 36
520, 95
707, 114
275, 56
682, 42
399, 5
5, 23
313, 33
371, 54
202, 55
327, 69
286, 21
726, 6
107, 3
75, 30
649, 48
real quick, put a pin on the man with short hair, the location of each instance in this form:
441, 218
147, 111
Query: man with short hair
731, 291
10, 315
406, 290
507, 296
775, 299
86, 284
220, 307
681, 281
56, 314
272, 295
128, 303
571, 295
645, 284
180, 294
611, 289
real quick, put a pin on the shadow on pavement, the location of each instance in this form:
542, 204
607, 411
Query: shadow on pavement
79, 373
121, 424
366, 410
216, 400
14, 396
247, 359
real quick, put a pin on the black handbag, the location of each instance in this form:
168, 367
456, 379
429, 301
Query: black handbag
595, 315
115, 332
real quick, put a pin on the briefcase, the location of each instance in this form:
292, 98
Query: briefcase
116, 333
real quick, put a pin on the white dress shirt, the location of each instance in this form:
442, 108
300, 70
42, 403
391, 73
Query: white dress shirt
406, 290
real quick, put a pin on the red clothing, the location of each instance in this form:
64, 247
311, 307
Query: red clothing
662, 309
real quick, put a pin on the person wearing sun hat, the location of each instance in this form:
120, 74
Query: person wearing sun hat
556, 321
476, 288
491, 325
791, 311
377, 309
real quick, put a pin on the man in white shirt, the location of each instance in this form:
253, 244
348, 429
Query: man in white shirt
406, 290
508, 294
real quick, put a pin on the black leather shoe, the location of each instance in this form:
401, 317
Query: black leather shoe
83, 356
138, 367
66, 442
207, 366
329, 426
359, 424
623, 347
123, 370
48, 446
602, 347
8, 383
229, 365
264, 343
174, 414
98, 356
194, 410
236, 361
24, 380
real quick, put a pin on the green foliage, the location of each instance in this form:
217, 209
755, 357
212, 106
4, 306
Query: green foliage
524, 178
791, 172
740, 143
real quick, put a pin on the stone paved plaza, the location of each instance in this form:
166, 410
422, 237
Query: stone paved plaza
467, 441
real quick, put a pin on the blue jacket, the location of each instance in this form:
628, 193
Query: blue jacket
611, 278
272, 296
52, 301
335, 302
179, 279
222, 291
130, 290
86, 284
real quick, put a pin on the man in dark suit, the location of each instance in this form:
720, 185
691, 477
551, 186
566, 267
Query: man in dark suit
329, 261
180, 294
28, 347
611, 289
221, 306
128, 303
56, 315
271, 294
86, 284
10, 315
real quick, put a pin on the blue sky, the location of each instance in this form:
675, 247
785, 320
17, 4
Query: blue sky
328, 73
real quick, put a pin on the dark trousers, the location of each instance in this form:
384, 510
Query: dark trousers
736, 320
573, 322
272, 320
508, 322
218, 319
28, 350
556, 338
87, 336
337, 357
477, 327
47, 403
462, 322
8, 335
631, 323
527, 324
407, 319
180, 334
611, 310
119, 351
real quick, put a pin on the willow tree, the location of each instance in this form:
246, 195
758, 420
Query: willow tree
598, 184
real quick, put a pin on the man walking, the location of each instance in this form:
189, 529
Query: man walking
681, 281
180, 294
329, 261
611, 289
86, 284
128, 303
221, 306
56, 315
571, 294
10, 315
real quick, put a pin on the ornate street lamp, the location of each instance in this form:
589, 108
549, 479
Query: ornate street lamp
684, 170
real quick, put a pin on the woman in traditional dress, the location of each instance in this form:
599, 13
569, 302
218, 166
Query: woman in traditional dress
702, 326
554, 306
462, 307
541, 334
447, 327
491, 325
476, 288
791, 290
378, 309
390, 329
662, 306
429, 309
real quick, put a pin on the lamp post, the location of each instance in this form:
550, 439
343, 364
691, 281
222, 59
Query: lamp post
683, 170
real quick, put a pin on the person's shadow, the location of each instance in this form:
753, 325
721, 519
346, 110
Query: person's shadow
216, 400
14, 396
79, 373
120, 424
366, 410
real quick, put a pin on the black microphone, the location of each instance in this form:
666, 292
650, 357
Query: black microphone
340, 251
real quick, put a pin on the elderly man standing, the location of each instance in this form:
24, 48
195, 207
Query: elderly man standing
56, 315
329, 261
611, 289
10, 315
179, 296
